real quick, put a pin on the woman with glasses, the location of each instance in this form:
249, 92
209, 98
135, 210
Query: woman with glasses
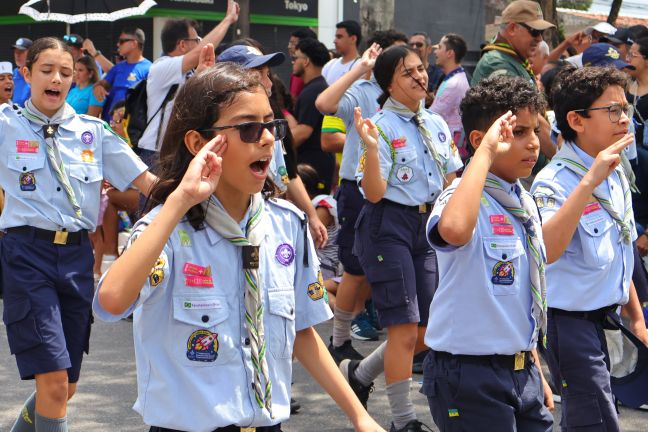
223, 280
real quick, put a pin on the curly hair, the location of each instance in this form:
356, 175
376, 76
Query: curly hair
575, 89
494, 96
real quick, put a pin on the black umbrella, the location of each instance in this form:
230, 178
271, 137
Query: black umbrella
75, 11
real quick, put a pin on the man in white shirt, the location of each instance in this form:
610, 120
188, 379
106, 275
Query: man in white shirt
181, 45
347, 38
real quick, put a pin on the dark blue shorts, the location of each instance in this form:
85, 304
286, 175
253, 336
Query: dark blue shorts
399, 263
468, 395
48, 292
579, 364
349, 203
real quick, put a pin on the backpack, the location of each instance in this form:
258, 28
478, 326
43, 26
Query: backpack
136, 111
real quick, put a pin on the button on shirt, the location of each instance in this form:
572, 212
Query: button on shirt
363, 94
595, 270
486, 310
194, 370
90, 151
411, 173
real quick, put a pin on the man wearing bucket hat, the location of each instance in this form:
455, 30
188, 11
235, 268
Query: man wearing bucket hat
21, 87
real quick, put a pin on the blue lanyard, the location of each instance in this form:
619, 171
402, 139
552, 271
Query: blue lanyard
453, 73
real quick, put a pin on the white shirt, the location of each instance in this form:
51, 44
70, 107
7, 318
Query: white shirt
334, 69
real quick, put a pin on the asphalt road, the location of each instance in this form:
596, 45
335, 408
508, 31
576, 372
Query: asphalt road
107, 391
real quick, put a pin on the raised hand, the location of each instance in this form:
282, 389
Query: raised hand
202, 175
368, 59
366, 129
606, 161
206, 58
499, 137
233, 10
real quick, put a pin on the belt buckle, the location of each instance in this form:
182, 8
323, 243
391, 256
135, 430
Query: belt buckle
422, 208
248, 429
519, 361
60, 237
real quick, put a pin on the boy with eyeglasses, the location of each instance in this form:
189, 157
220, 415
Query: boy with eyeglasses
588, 228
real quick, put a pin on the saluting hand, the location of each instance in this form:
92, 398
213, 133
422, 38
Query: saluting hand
499, 137
370, 55
606, 161
202, 175
206, 58
366, 129
233, 10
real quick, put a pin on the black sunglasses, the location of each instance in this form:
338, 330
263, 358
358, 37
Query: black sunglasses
123, 41
250, 132
416, 44
533, 32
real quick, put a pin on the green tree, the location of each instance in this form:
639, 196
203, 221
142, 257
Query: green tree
575, 4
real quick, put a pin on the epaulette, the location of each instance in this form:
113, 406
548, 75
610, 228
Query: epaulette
288, 206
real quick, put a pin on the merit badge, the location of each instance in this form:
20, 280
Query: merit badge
202, 346
503, 229
196, 270
283, 174
157, 272
539, 202
551, 202
484, 201
185, 240
87, 156
87, 137
499, 219
399, 142
316, 291
591, 207
27, 182
26, 146
199, 281
285, 254
442, 137
404, 174
363, 161
503, 273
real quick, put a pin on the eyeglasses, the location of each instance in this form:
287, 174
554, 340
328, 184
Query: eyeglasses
71, 39
533, 32
250, 132
614, 111
635, 54
416, 44
123, 41
196, 39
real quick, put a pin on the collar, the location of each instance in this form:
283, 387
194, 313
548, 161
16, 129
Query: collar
215, 237
587, 159
510, 188
401, 110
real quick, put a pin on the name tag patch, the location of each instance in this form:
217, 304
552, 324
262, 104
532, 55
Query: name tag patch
26, 146
201, 304
592, 207
499, 219
503, 273
503, 229
196, 270
202, 346
199, 281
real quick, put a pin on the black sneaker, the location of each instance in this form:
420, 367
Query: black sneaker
294, 406
348, 367
344, 351
417, 364
412, 426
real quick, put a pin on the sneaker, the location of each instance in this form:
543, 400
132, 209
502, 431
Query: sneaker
344, 351
417, 364
348, 367
412, 426
361, 328
294, 406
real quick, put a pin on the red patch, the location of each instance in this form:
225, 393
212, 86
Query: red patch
196, 270
25, 146
399, 142
199, 281
503, 229
499, 219
592, 207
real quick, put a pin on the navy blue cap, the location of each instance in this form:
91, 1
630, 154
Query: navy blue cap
622, 36
632, 388
250, 57
23, 44
603, 54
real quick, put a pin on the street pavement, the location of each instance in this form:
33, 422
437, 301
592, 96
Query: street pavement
107, 390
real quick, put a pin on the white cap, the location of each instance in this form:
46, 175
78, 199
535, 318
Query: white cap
6, 68
602, 27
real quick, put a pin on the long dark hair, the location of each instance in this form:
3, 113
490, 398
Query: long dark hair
386, 64
198, 104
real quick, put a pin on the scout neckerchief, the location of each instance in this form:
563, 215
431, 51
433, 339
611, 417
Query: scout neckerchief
523, 207
50, 127
575, 164
506, 48
398, 108
221, 222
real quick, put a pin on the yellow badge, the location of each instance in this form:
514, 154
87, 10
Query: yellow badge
363, 161
613, 53
157, 273
316, 290
87, 156
453, 146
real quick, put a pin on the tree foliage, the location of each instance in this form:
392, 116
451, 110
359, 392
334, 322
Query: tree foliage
575, 4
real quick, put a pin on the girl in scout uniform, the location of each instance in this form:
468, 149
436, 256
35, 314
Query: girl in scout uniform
407, 161
223, 281
485, 319
54, 162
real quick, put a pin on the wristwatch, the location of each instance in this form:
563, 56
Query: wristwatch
97, 53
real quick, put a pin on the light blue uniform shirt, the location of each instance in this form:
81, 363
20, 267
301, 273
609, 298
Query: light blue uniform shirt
595, 270
90, 151
277, 169
475, 311
411, 174
172, 316
363, 94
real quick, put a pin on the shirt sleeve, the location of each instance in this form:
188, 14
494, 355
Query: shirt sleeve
347, 104
120, 164
454, 162
311, 298
110, 75
433, 237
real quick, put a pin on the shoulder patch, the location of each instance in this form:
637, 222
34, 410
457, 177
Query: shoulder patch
287, 206
543, 191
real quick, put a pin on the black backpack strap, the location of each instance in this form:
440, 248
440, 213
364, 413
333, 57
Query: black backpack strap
170, 95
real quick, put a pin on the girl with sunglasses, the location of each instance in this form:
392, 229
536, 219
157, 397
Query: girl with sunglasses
408, 159
222, 279
54, 161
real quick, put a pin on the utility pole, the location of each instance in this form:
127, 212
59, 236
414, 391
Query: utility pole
376, 15
614, 11
243, 24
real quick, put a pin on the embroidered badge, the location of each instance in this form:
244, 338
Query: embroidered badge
499, 219
202, 346
363, 161
442, 137
503, 273
503, 229
157, 273
87, 137
539, 202
185, 240
316, 290
453, 146
87, 156
26, 146
591, 207
204, 304
285, 254
399, 142
199, 281
196, 270
551, 202
453, 412
404, 174
27, 182
484, 201
284, 175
